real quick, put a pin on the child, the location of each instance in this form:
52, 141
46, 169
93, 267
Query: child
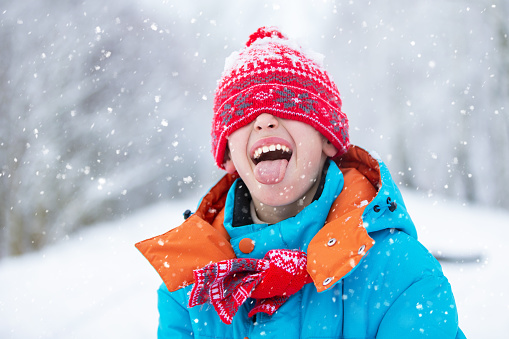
306, 236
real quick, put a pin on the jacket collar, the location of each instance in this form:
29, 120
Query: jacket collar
366, 186
292, 233
387, 209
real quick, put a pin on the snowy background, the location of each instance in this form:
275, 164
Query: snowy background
96, 284
105, 109
105, 106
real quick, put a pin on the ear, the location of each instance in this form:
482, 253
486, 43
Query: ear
328, 148
228, 163
229, 166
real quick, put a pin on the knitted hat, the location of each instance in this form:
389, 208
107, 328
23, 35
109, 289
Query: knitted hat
273, 75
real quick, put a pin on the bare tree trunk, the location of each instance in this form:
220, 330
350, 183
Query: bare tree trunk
500, 120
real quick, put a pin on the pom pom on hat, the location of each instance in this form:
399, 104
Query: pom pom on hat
273, 75
264, 32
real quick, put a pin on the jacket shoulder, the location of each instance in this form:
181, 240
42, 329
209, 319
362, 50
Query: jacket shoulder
175, 254
396, 250
200, 240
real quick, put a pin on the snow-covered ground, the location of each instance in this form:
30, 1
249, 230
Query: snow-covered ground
96, 284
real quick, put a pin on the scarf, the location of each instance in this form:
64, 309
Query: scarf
270, 281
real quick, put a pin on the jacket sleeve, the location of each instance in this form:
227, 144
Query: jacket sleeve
174, 320
425, 309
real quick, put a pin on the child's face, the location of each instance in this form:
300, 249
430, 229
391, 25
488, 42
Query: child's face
278, 159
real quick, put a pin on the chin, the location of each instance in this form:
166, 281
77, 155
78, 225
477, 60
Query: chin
277, 197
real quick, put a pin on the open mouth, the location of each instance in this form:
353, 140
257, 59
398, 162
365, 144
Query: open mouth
271, 152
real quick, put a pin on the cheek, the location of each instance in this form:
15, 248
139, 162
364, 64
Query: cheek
311, 161
238, 155
237, 141
310, 150
234, 146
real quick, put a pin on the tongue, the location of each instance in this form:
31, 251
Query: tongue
270, 171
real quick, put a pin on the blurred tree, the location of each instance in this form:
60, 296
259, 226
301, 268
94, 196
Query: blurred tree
499, 117
105, 107
93, 117
426, 86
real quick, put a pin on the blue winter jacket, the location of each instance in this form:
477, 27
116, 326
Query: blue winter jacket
382, 284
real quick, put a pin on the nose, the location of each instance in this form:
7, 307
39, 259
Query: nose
265, 121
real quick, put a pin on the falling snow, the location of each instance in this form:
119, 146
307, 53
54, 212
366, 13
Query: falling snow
72, 289
105, 110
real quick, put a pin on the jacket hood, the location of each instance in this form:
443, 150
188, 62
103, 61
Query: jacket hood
387, 209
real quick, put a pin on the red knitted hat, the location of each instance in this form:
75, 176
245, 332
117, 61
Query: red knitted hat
273, 75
